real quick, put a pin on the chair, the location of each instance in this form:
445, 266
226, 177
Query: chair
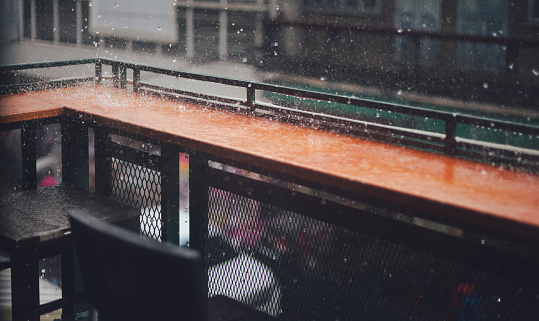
127, 277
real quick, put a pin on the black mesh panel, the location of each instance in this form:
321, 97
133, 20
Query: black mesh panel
299, 268
140, 187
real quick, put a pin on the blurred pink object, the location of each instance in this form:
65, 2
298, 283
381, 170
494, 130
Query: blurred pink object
48, 181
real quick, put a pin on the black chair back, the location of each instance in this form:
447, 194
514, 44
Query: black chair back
130, 278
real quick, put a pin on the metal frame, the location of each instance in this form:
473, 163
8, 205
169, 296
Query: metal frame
506, 264
446, 143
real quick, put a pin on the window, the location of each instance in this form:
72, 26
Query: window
345, 6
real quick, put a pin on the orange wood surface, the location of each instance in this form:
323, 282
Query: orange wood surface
467, 191
26, 107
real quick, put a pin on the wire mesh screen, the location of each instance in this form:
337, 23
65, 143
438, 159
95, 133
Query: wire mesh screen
298, 268
141, 187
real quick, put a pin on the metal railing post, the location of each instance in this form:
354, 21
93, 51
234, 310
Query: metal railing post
250, 97
98, 71
450, 133
136, 79
75, 155
198, 200
29, 155
103, 164
170, 194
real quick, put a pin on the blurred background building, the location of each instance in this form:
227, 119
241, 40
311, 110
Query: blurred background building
472, 50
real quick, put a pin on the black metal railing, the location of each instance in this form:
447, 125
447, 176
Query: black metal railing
454, 134
293, 248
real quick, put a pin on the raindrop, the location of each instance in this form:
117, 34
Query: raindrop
116, 4
485, 85
400, 30
244, 59
323, 78
483, 172
345, 260
159, 28
399, 92
535, 72
482, 242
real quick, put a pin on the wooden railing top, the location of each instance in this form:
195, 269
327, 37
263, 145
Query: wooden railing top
456, 189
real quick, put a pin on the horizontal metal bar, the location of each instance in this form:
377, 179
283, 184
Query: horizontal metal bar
498, 125
506, 150
41, 85
48, 64
195, 95
58, 304
300, 93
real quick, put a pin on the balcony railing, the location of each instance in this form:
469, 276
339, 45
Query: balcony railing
323, 232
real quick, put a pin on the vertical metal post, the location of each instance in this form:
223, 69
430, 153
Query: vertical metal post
103, 165
29, 155
198, 200
122, 76
190, 31
98, 71
20, 18
450, 133
250, 97
55, 21
223, 32
198, 205
24, 285
116, 75
170, 194
75, 155
78, 13
258, 25
68, 283
136, 79
33, 22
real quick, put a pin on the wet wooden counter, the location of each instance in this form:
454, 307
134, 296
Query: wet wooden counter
467, 191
